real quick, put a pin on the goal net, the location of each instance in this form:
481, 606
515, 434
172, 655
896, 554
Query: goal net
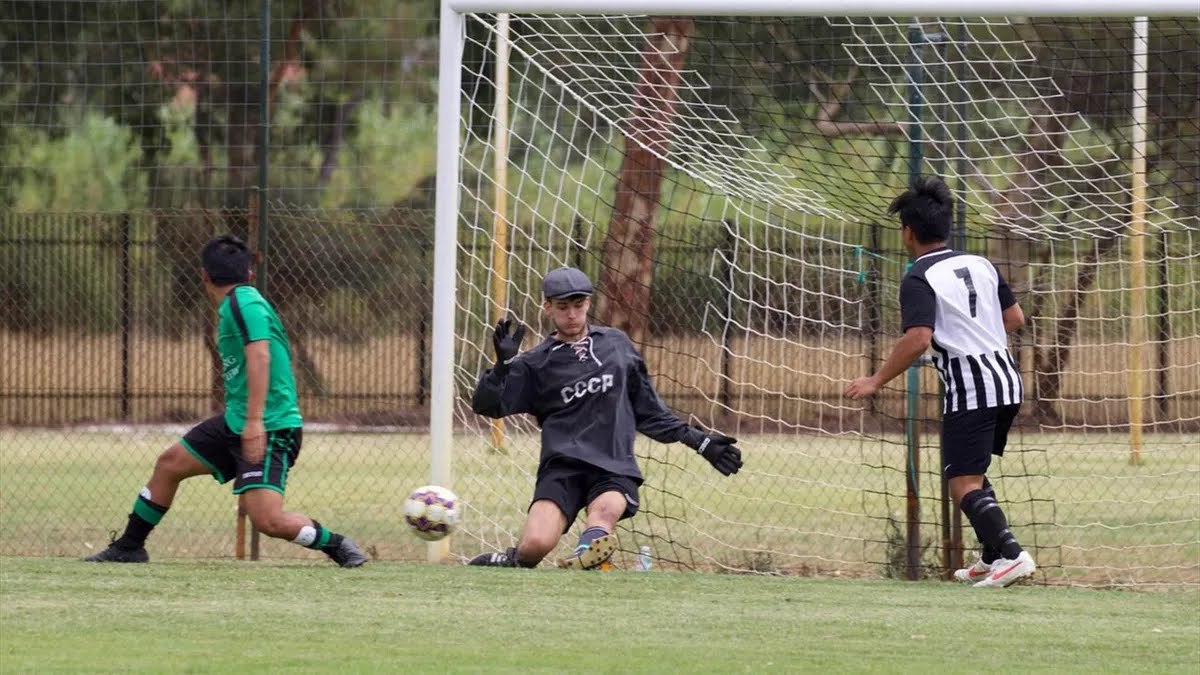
724, 181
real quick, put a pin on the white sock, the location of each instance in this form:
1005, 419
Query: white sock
306, 537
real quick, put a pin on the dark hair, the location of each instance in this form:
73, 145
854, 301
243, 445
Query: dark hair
227, 260
925, 209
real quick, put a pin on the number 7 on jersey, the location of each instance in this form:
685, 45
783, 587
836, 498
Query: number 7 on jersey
965, 274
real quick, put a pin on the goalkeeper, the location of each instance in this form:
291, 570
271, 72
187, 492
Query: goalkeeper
588, 388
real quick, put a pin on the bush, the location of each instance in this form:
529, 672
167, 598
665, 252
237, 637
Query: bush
93, 167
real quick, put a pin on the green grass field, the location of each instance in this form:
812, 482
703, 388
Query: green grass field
803, 504
66, 616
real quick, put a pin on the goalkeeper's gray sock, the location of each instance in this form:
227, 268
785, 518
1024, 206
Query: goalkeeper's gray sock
589, 535
989, 522
146, 515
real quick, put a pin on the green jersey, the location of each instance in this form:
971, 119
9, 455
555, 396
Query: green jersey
245, 316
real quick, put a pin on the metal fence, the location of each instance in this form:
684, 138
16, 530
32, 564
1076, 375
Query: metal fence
136, 130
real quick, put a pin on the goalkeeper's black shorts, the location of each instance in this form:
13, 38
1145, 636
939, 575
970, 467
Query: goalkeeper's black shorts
572, 485
971, 437
218, 448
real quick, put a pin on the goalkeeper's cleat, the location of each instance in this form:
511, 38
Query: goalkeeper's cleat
347, 554
590, 556
1008, 572
120, 554
973, 573
506, 559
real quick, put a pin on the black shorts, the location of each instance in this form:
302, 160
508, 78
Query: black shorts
217, 447
572, 485
971, 437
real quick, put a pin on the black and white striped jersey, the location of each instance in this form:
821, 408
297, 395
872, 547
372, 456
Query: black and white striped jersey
961, 297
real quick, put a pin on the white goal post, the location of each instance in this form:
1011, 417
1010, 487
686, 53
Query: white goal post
801, 271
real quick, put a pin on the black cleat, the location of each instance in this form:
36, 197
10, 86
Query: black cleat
120, 554
347, 554
506, 559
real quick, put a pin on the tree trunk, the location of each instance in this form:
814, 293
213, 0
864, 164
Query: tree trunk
1050, 363
333, 138
628, 250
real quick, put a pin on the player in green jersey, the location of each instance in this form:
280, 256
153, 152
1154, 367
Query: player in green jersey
256, 440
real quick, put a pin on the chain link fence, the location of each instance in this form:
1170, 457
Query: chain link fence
133, 134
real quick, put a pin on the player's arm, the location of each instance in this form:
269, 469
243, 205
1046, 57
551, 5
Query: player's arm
655, 420
1014, 318
502, 393
918, 305
914, 343
651, 415
258, 376
1011, 313
255, 326
505, 388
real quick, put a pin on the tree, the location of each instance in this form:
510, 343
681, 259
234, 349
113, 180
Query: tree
628, 249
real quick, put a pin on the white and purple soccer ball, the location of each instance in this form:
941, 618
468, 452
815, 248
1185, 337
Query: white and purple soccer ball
431, 511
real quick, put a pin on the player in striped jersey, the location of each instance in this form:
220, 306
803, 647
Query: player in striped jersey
959, 305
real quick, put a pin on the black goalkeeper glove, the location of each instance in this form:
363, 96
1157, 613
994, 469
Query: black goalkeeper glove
718, 449
507, 346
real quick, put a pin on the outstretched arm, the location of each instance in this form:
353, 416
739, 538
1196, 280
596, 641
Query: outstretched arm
918, 307
914, 343
652, 416
657, 422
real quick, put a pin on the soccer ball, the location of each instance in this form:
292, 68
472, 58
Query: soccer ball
431, 511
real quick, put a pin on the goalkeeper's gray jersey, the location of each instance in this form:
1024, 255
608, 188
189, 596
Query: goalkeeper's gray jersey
589, 397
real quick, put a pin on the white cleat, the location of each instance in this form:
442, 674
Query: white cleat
973, 573
1008, 572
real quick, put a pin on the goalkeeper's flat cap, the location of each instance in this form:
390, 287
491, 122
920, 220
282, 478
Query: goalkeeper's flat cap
565, 282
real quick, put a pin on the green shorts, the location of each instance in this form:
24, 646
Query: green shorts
217, 447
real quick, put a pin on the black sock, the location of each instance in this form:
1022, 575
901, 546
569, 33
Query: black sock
990, 554
146, 514
989, 522
591, 534
515, 557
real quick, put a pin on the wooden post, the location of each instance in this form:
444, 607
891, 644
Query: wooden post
500, 198
1137, 244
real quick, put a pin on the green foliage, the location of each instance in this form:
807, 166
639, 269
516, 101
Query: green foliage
123, 106
389, 158
94, 166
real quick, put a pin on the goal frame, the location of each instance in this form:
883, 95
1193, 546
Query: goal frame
452, 40
1080, 8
